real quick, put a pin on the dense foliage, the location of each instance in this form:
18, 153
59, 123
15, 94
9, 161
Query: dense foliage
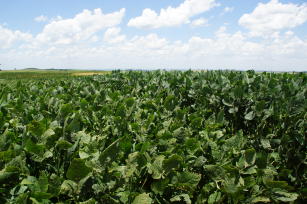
155, 137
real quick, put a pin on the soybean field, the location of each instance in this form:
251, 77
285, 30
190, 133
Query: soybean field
147, 137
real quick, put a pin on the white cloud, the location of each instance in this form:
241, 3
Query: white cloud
57, 18
151, 41
172, 16
228, 9
112, 35
82, 27
8, 37
94, 40
41, 18
199, 22
273, 17
223, 50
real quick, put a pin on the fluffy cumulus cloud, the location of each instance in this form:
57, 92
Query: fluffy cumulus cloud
172, 16
223, 50
273, 17
82, 27
112, 35
9, 38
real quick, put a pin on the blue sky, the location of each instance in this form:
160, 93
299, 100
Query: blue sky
238, 34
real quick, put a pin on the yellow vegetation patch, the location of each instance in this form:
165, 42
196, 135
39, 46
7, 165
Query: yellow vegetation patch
87, 73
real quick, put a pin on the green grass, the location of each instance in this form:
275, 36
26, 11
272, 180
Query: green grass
45, 74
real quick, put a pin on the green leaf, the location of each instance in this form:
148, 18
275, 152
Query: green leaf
230, 186
84, 138
261, 200
30, 180
129, 102
124, 196
143, 198
250, 157
265, 143
250, 170
196, 123
214, 197
63, 144
34, 148
170, 102
110, 153
276, 184
75, 124
66, 109
159, 186
69, 187
186, 179
77, 170
249, 116
172, 163
37, 128
285, 196
178, 198
6, 177
156, 168
214, 171
227, 103
41, 195
90, 201
121, 111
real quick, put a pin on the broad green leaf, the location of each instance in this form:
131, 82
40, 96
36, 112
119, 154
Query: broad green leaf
196, 123
69, 187
250, 170
121, 111
37, 128
249, 116
170, 102
34, 148
63, 144
159, 186
77, 170
276, 184
143, 198
84, 138
214, 197
250, 157
110, 153
75, 124
156, 168
226, 102
124, 196
265, 143
172, 163
30, 180
261, 200
40, 196
186, 179
285, 196
66, 109
184, 197
129, 102
230, 186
